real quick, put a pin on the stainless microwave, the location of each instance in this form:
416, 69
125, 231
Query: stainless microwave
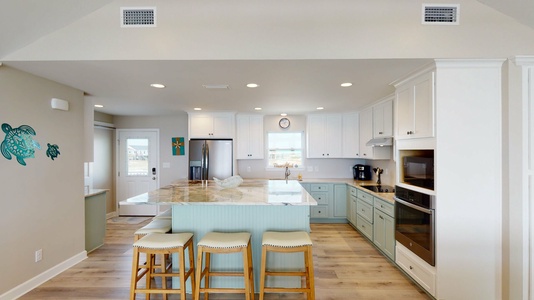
418, 171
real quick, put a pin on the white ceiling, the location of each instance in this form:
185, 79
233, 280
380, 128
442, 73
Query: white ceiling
291, 86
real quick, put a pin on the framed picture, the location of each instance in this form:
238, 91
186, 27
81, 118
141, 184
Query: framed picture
178, 146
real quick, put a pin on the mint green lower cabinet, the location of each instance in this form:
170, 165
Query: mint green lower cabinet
384, 227
95, 220
340, 201
364, 227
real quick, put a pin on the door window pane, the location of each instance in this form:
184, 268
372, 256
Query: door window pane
137, 157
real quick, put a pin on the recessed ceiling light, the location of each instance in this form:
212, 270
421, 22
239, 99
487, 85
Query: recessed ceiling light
320, 108
99, 105
346, 84
283, 114
157, 85
197, 108
257, 108
252, 85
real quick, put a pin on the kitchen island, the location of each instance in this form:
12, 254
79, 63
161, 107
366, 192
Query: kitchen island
255, 206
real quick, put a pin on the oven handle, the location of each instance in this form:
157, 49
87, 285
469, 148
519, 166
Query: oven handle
419, 208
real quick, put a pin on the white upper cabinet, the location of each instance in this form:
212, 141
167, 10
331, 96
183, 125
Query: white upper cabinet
383, 119
366, 134
351, 135
414, 108
250, 137
324, 135
211, 125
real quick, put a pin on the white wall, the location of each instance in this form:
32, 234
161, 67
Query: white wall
278, 29
42, 202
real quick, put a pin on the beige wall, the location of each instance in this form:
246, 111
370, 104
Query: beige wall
42, 203
169, 127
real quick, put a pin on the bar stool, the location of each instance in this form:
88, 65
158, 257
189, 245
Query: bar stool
167, 214
155, 226
224, 243
288, 242
162, 244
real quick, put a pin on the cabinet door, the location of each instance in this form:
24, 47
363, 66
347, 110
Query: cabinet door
366, 133
351, 135
222, 126
316, 130
383, 119
340, 200
333, 136
424, 106
404, 112
384, 233
200, 126
353, 210
250, 137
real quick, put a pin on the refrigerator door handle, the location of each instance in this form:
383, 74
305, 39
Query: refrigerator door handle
206, 161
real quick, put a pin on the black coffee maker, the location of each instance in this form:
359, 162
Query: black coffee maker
362, 172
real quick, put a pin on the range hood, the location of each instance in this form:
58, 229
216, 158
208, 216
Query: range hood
380, 142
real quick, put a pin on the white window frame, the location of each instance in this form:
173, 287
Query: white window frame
303, 149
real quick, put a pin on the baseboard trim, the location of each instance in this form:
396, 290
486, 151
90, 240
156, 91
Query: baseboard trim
112, 214
36, 281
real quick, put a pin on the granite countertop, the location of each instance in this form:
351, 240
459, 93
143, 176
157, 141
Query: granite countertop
92, 192
250, 192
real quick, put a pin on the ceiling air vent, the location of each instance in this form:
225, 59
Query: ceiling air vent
138, 17
441, 14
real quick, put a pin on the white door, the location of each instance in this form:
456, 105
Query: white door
138, 161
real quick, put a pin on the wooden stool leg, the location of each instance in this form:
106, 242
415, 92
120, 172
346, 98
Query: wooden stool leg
182, 272
246, 275
150, 268
207, 276
135, 266
163, 271
192, 274
310, 274
198, 273
262, 271
251, 269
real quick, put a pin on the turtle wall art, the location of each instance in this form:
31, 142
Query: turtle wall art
52, 151
19, 143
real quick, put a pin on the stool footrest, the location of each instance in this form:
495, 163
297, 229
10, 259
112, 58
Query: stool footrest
284, 290
286, 273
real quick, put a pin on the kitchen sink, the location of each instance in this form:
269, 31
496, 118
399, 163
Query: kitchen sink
379, 188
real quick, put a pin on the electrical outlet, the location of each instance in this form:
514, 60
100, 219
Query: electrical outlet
38, 255
248, 169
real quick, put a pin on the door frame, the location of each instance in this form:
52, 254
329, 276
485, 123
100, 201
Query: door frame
118, 157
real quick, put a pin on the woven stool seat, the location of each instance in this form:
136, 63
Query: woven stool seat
288, 242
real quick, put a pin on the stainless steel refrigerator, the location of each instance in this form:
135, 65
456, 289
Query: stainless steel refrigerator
210, 158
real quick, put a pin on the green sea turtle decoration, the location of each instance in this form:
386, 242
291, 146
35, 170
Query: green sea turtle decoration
52, 151
19, 142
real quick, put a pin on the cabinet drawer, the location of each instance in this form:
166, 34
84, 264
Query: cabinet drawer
319, 187
365, 196
364, 227
320, 197
319, 211
419, 270
365, 210
385, 207
353, 191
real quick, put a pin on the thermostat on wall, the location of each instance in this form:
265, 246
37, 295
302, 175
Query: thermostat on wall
59, 104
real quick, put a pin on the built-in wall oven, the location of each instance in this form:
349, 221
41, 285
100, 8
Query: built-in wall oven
415, 222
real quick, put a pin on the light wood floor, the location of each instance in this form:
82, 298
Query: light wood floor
347, 267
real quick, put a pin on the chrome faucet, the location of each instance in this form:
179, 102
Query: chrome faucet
286, 175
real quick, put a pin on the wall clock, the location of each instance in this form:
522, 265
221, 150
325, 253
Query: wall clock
284, 123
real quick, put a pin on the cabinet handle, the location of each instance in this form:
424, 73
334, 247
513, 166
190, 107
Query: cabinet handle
380, 132
381, 217
411, 268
